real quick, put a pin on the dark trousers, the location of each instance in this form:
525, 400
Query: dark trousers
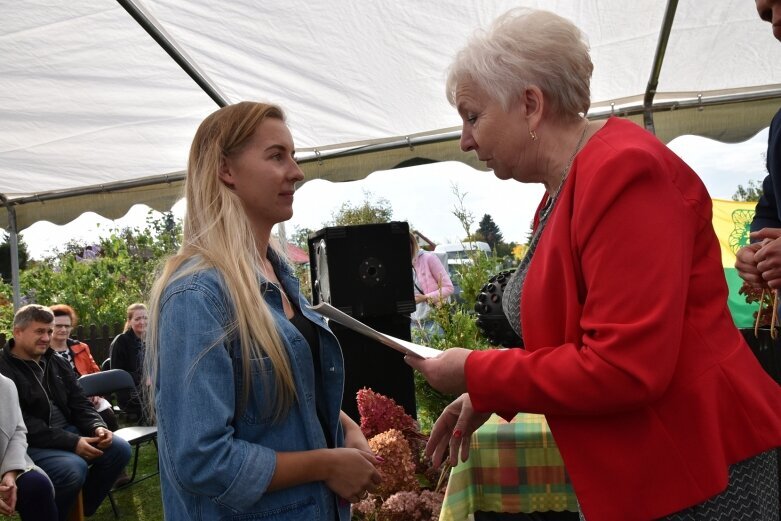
35, 497
70, 473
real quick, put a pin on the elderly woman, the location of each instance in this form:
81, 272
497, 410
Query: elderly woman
78, 356
24, 488
656, 403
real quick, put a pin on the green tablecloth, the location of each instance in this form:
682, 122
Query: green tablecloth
512, 467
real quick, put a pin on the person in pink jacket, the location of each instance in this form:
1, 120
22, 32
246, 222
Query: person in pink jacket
432, 284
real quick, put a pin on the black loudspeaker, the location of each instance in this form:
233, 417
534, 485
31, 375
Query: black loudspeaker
370, 364
363, 270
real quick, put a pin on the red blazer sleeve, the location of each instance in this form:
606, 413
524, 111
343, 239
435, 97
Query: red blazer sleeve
605, 296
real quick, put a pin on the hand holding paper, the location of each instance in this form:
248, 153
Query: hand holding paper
445, 373
408, 348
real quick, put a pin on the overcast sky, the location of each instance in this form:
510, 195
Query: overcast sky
424, 196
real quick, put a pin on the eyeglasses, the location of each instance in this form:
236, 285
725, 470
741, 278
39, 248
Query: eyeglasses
62, 326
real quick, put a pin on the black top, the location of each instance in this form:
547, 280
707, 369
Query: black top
309, 332
127, 352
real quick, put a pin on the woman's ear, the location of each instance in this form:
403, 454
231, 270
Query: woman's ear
533, 103
224, 173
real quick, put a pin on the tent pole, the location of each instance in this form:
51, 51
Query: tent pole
653, 81
14, 243
174, 52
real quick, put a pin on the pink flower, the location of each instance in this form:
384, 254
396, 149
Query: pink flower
380, 413
411, 506
398, 471
367, 508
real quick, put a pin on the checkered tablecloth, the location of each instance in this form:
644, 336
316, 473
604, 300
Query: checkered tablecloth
512, 467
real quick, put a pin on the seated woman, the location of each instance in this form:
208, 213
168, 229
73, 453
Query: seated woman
24, 488
78, 355
127, 352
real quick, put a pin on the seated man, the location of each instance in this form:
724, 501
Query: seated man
66, 437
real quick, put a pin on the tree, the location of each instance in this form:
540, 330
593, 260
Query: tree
369, 212
300, 237
101, 280
504, 249
489, 232
751, 192
460, 212
5, 256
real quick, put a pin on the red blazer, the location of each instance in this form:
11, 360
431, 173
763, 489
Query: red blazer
631, 353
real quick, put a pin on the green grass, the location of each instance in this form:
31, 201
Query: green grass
141, 501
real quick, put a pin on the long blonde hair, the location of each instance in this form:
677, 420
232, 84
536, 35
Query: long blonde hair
215, 224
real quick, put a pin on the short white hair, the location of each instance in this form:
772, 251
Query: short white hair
525, 47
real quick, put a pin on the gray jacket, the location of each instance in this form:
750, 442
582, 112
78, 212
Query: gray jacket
13, 433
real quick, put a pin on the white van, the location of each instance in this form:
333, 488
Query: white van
458, 252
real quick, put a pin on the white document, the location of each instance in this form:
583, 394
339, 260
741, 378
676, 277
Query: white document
408, 348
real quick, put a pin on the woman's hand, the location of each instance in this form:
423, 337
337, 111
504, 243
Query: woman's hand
8, 493
353, 474
453, 430
445, 373
353, 435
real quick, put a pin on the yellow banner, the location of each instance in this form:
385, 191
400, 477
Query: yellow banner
732, 222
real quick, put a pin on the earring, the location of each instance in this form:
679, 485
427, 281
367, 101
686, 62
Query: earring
533, 135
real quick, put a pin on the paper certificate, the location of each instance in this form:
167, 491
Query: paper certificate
408, 348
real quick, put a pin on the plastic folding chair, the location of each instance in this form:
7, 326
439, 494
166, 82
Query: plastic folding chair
106, 383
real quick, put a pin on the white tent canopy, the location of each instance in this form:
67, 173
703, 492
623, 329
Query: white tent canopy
99, 100
97, 116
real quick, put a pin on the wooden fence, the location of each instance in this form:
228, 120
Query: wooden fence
98, 338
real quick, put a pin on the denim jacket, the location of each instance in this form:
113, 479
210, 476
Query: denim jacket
215, 464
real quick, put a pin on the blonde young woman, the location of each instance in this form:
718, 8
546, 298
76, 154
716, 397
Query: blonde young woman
247, 381
127, 352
